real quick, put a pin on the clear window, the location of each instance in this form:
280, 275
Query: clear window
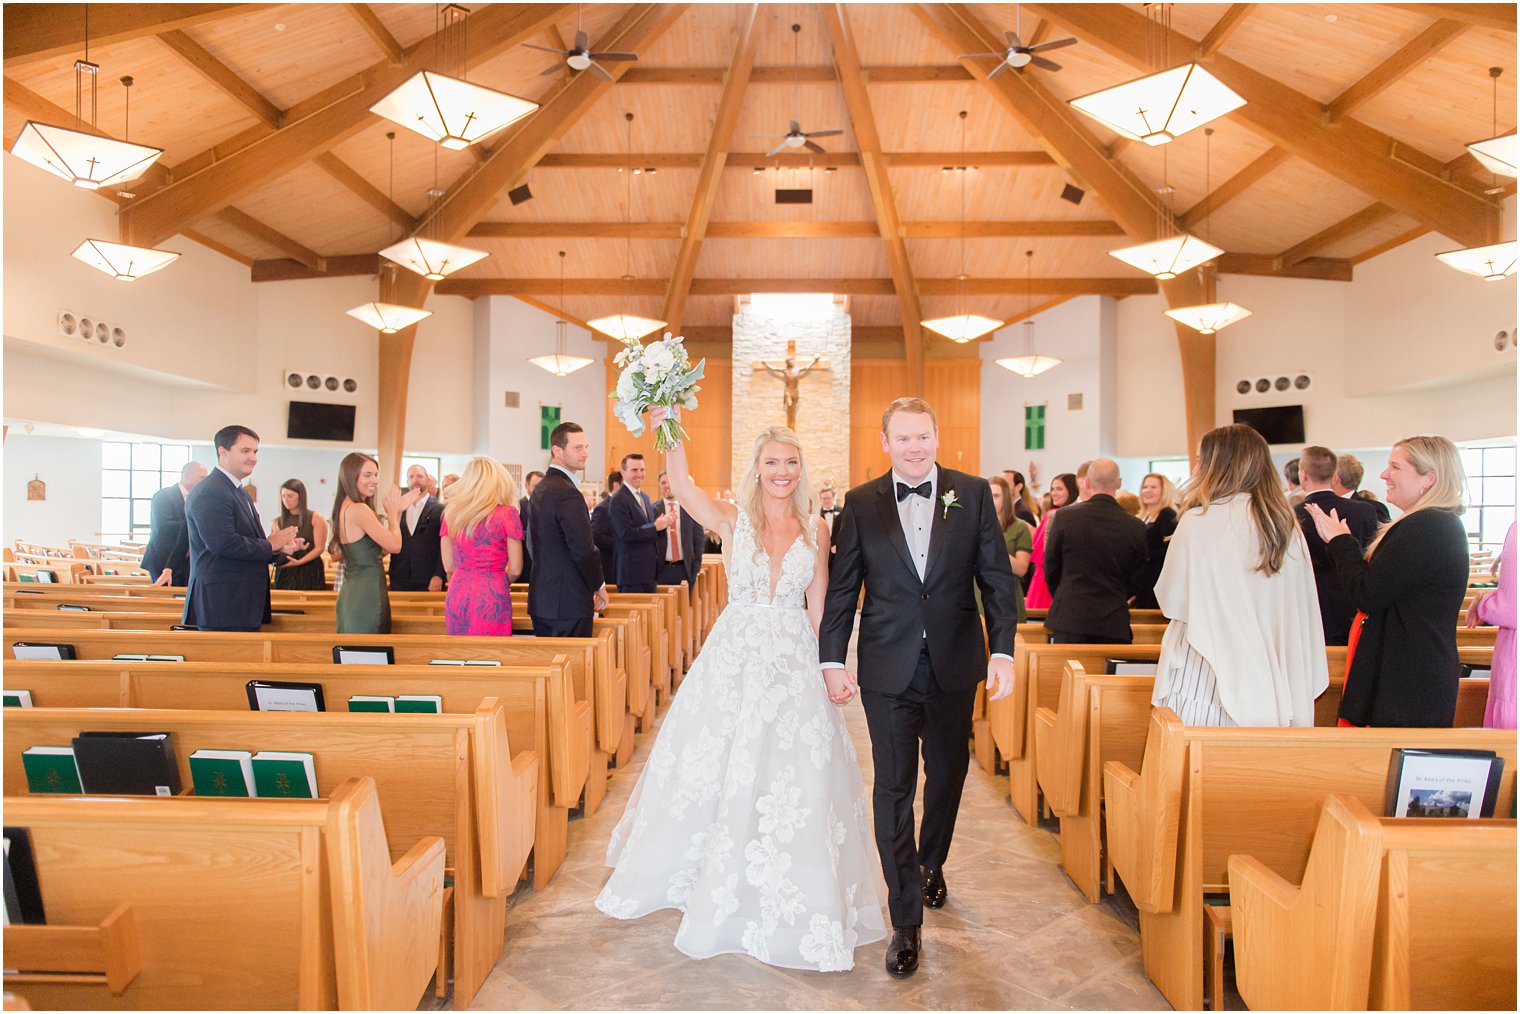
1491, 494
129, 476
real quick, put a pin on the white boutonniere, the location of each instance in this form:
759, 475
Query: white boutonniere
949, 500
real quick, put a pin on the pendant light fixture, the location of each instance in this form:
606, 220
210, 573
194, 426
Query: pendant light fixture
558, 362
447, 109
1494, 261
83, 157
627, 327
388, 318
1031, 363
962, 327
1177, 251
1498, 153
428, 255
121, 261
1210, 316
1160, 107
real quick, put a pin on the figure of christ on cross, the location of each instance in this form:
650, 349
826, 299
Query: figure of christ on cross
789, 376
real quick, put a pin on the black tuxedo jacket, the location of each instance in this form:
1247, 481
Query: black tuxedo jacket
831, 517
527, 554
567, 566
693, 539
1335, 609
639, 546
168, 538
965, 547
420, 558
229, 558
1095, 557
601, 532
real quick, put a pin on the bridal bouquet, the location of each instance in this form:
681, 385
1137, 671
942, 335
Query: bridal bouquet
659, 373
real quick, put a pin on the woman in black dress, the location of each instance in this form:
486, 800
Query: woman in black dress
1410, 585
1158, 509
303, 571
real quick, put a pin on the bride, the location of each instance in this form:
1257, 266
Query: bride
749, 816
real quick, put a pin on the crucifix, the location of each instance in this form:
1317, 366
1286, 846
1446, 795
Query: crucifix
789, 376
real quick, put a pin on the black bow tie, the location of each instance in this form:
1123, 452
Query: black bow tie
904, 491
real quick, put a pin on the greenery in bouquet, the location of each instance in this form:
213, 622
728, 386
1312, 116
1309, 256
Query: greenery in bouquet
659, 373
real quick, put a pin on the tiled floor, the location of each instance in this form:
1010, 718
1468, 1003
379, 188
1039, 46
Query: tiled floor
1015, 933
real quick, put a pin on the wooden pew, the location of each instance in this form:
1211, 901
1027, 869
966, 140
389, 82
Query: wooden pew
1103, 718
1204, 794
1411, 914
235, 904
446, 775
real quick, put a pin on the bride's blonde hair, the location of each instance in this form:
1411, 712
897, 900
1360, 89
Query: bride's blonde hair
751, 496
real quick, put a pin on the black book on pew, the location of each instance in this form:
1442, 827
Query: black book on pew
1479, 672
1443, 783
1129, 667
37, 651
379, 654
127, 763
23, 897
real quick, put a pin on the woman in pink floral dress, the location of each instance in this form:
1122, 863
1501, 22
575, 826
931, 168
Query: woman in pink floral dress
482, 549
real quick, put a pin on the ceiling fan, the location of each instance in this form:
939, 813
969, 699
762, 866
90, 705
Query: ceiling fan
580, 56
1018, 55
795, 136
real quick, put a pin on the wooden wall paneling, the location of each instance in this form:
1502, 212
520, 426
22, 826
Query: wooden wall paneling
710, 453
621, 442
953, 388
874, 383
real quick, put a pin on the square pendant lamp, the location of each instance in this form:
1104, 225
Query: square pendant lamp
626, 327
123, 263
1498, 154
86, 160
1161, 107
430, 258
388, 318
1168, 258
1490, 263
449, 111
963, 327
1209, 318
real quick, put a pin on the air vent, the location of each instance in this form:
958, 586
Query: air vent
300, 380
68, 325
1282, 383
118, 335
1501, 340
513, 399
1074, 402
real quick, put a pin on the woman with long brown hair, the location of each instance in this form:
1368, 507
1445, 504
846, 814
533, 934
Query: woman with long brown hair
1018, 537
304, 571
364, 531
1063, 491
1245, 645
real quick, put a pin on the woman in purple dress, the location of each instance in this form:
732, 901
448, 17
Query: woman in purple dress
482, 549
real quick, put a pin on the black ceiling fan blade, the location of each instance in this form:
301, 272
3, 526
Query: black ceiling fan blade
582, 40
823, 133
1040, 61
810, 146
998, 70
546, 49
614, 56
1057, 44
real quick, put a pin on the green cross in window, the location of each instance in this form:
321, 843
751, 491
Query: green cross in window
548, 418
1034, 427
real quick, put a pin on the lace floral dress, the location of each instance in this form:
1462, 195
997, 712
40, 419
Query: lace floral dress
750, 816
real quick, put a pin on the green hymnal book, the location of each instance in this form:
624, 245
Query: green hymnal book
51, 769
222, 773
365, 702
17, 698
279, 774
420, 704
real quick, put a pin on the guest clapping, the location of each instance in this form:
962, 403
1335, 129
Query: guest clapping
1410, 586
1158, 509
364, 605
1063, 491
482, 545
303, 571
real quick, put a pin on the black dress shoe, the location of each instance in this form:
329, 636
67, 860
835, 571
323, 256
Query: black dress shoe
902, 952
934, 886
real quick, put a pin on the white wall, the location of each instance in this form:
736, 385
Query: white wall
71, 469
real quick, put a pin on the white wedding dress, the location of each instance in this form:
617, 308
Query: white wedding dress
750, 816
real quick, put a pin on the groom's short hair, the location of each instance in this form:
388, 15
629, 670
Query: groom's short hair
915, 405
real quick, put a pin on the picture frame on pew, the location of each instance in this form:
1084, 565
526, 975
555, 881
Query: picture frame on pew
379, 654
1461, 784
277, 695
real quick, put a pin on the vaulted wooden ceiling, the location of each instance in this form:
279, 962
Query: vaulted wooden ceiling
1351, 141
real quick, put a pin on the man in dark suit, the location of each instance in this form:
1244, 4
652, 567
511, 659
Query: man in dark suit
1347, 484
167, 555
601, 526
530, 481
681, 547
1092, 564
829, 510
918, 538
635, 530
1316, 471
418, 564
229, 553
569, 588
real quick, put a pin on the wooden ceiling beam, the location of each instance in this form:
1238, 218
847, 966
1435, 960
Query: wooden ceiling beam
378, 33
711, 174
1344, 229
253, 227
1223, 29
858, 333
1324, 269
1390, 71
1368, 159
1233, 187
1490, 15
364, 189
223, 77
152, 219
784, 75
474, 287
829, 159
286, 270
945, 229
540, 304
858, 101
218, 246
1389, 244
43, 31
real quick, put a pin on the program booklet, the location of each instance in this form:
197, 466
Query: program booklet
1129, 667
275, 695
37, 652
380, 654
1443, 783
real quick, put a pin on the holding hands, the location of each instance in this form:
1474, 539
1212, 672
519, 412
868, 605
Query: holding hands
841, 685
1327, 526
999, 678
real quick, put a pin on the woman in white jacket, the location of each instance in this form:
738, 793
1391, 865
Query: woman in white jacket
1245, 645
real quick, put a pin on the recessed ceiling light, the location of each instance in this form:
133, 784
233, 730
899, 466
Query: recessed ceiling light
1332, 18
279, 26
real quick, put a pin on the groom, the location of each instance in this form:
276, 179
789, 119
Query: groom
918, 538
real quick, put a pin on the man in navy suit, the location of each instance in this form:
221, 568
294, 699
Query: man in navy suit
167, 556
418, 565
681, 547
1316, 472
569, 588
636, 532
229, 553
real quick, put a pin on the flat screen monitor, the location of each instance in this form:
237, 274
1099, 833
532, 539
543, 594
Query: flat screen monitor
310, 420
1281, 424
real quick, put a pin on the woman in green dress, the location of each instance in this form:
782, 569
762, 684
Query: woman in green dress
364, 607
1018, 537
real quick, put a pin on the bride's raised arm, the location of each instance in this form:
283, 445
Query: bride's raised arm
711, 514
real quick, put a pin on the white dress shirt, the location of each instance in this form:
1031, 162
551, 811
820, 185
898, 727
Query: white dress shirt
414, 514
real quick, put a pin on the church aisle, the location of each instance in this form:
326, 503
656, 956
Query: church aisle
1015, 934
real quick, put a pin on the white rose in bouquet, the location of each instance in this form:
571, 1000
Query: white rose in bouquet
656, 374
